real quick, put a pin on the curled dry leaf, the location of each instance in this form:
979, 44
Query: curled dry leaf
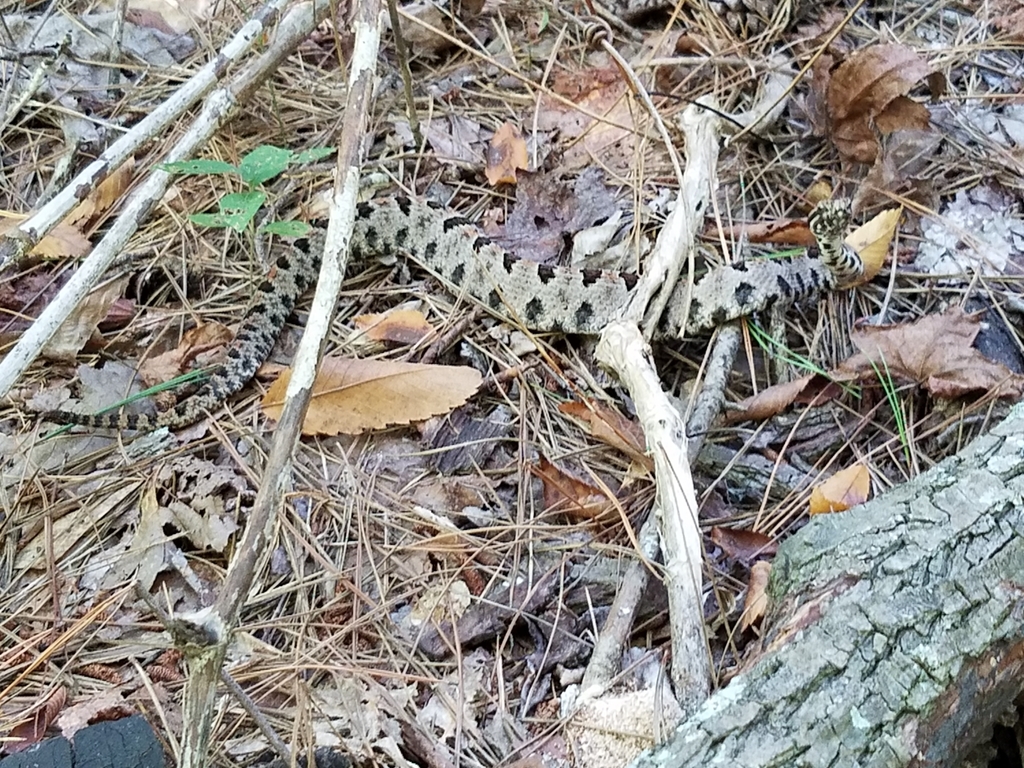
81, 324
570, 495
775, 399
612, 428
402, 326
174, 362
868, 93
934, 352
845, 489
756, 603
354, 396
780, 231
871, 241
100, 202
506, 154
31, 731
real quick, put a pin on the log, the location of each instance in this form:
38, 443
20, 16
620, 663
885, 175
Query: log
896, 636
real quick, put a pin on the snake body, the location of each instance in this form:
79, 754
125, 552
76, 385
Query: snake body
543, 298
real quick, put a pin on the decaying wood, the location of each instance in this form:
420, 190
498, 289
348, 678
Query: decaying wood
897, 633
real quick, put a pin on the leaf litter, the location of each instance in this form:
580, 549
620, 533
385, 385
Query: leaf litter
476, 520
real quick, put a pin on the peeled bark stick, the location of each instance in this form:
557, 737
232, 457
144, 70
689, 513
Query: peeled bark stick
623, 350
215, 625
896, 635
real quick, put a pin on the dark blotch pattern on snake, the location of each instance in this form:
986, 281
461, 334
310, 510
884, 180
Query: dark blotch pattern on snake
542, 297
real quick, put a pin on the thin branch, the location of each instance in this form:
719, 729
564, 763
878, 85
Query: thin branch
220, 620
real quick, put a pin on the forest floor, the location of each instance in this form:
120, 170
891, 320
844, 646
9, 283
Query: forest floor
381, 619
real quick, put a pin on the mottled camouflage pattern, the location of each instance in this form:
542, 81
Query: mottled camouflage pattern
541, 297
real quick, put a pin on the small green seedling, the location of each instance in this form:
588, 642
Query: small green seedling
238, 209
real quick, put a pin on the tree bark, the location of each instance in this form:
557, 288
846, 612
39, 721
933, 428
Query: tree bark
896, 635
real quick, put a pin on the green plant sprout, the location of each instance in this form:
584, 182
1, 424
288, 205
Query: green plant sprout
238, 209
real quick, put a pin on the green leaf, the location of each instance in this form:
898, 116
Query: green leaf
215, 221
242, 207
236, 211
242, 201
198, 167
312, 155
287, 228
545, 19
264, 163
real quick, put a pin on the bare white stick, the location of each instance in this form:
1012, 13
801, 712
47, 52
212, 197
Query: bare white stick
675, 508
624, 350
217, 624
219, 107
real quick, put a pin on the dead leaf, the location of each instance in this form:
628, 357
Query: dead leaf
693, 45
845, 489
459, 698
1008, 16
23, 297
178, 17
61, 241
611, 428
570, 495
103, 199
95, 708
934, 352
205, 528
425, 28
401, 326
150, 551
354, 396
549, 211
82, 323
775, 399
903, 114
596, 91
818, 192
31, 731
756, 602
174, 362
440, 601
455, 138
743, 545
867, 92
506, 154
871, 241
778, 232
903, 168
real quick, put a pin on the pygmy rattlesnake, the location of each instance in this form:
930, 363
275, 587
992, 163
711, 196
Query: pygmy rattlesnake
542, 297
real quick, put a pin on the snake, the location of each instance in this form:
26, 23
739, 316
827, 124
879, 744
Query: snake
541, 297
